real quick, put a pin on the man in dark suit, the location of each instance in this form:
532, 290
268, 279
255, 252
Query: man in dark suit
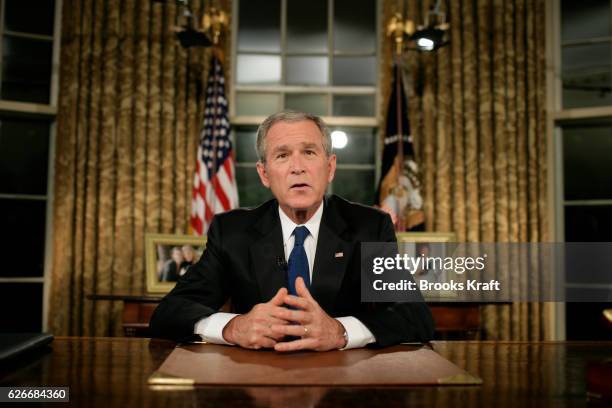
265, 259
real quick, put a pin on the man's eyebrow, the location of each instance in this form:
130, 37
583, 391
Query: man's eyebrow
310, 145
280, 148
304, 145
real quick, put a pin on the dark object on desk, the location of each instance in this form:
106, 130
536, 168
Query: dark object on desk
13, 345
396, 365
599, 381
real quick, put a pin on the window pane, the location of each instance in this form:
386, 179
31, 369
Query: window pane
250, 190
355, 25
355, 185
24, 156
26, 69
587, 153
18, 16
25, 299
311, 103
259, 25
586, 75
22, 223
307, 70
245, 144
259, 69
354, 70
584, 19
307, 26
591, 223
360, 147
353, 105
258, 104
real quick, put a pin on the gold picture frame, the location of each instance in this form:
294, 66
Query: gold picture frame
168, 257
424, 239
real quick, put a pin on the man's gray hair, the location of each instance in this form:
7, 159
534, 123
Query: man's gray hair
290, 116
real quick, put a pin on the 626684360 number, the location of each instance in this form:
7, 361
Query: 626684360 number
34, 394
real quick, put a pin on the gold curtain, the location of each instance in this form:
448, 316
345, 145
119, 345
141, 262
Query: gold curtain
477, 112
130, 109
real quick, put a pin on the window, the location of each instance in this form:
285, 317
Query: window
583, 140
28, 91
319, 56
586, 53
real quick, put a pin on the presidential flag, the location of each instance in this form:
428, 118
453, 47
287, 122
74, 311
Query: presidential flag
214, 183
399, 190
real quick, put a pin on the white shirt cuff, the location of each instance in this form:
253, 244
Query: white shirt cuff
358, 334
211, 328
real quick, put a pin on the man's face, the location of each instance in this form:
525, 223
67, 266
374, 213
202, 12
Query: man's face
177, 255
296, 169
188, 253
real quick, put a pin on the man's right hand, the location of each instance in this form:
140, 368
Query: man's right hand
254, 329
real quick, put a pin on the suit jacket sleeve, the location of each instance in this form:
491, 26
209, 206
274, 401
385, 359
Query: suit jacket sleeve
394, 323
198, 293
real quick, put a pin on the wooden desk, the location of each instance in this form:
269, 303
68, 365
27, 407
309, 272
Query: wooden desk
111, 372
459, 319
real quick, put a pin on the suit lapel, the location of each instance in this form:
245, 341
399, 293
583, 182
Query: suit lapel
264, 254
331, 257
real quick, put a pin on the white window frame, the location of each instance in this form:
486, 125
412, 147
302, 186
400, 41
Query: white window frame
37, 111
557, 116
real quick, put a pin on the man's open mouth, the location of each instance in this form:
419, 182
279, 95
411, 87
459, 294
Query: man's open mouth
299, 185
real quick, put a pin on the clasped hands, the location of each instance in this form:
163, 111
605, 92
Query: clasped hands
267, 324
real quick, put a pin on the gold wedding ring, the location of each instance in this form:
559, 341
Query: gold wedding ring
305, 331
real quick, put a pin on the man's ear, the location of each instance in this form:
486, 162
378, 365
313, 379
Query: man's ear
263, 176
331, 163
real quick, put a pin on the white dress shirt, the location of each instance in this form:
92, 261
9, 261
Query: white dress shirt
211, 327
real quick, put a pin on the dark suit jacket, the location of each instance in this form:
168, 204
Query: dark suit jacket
169, 272
241, 261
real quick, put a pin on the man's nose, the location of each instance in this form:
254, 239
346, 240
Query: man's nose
296, 163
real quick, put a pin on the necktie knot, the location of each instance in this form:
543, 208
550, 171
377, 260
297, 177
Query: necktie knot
300, 234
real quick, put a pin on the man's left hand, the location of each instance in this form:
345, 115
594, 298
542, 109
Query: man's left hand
318, 331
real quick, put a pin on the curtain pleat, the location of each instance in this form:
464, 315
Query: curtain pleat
129, 117
123, 245
477, 110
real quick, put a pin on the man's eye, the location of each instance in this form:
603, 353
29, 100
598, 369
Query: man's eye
281, 155
310, 152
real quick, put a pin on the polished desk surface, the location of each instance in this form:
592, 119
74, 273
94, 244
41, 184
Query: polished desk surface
114, 371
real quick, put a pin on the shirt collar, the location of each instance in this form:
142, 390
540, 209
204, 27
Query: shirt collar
312, 224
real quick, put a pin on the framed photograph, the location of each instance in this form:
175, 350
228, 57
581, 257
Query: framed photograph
168, 257
428, 245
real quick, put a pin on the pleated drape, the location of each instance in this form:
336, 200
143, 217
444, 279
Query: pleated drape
477, 111
130, 109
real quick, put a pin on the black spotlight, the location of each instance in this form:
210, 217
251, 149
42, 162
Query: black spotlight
428, 39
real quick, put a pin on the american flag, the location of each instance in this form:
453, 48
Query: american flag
214, 182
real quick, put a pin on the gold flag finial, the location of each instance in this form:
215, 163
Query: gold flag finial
398, 28
214, 21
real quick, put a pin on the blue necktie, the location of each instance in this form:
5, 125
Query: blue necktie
298, 262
